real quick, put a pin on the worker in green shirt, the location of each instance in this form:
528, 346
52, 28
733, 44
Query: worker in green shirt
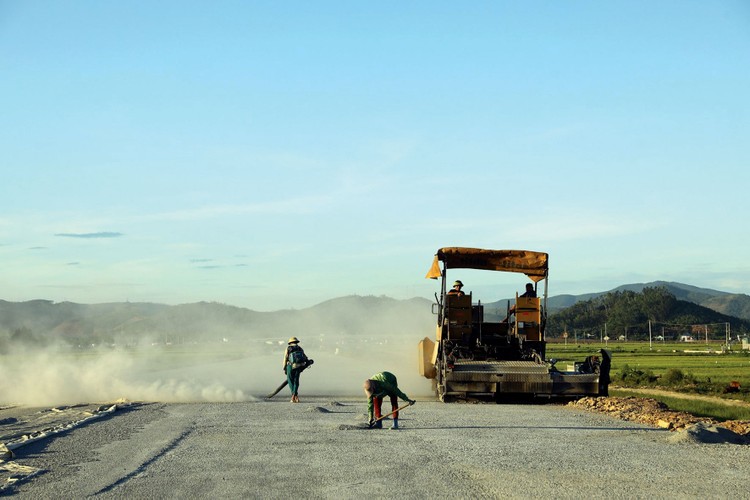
378, 387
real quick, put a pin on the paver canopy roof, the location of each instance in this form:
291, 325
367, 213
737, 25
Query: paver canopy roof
532, 264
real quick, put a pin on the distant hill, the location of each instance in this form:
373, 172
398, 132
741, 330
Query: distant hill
632, 312
737, 305
41, 322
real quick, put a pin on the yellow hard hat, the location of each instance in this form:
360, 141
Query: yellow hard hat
293, 340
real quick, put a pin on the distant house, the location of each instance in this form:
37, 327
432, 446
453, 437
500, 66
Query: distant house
687, 338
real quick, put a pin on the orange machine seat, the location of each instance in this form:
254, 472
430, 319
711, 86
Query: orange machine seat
458, 315
528, 312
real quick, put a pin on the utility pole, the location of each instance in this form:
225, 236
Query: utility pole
728, 335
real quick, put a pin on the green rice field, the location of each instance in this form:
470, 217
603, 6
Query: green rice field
703, 361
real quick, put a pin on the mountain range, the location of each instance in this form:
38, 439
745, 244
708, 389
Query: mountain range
39, 322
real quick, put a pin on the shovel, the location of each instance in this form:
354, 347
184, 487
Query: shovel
278, 389
388, 415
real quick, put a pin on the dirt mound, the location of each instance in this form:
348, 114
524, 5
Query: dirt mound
318, 409
652, 412
702, 433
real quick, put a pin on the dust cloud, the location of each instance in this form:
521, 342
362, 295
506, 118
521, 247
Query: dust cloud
208, 353
198, 373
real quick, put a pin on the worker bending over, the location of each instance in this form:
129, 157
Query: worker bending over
378, 387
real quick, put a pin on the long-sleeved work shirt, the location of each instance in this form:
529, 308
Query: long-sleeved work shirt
383, 384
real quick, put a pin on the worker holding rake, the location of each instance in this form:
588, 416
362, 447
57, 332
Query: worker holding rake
378, 387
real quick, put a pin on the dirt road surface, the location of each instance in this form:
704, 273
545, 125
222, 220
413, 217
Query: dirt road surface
316, 449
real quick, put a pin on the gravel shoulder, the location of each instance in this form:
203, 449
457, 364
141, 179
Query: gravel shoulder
652, 412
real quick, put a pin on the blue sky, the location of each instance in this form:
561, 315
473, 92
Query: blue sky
274, 155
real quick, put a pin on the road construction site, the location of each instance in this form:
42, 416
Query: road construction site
320, 448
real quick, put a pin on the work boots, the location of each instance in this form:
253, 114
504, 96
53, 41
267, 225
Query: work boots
394, 427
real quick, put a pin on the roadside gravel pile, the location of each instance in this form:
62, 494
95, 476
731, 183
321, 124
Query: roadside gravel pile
655, 413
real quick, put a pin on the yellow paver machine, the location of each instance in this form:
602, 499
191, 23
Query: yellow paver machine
474, 356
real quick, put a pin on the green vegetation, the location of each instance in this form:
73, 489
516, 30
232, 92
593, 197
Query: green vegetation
631, 314
634, 364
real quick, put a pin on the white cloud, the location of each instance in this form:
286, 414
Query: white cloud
571, 225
